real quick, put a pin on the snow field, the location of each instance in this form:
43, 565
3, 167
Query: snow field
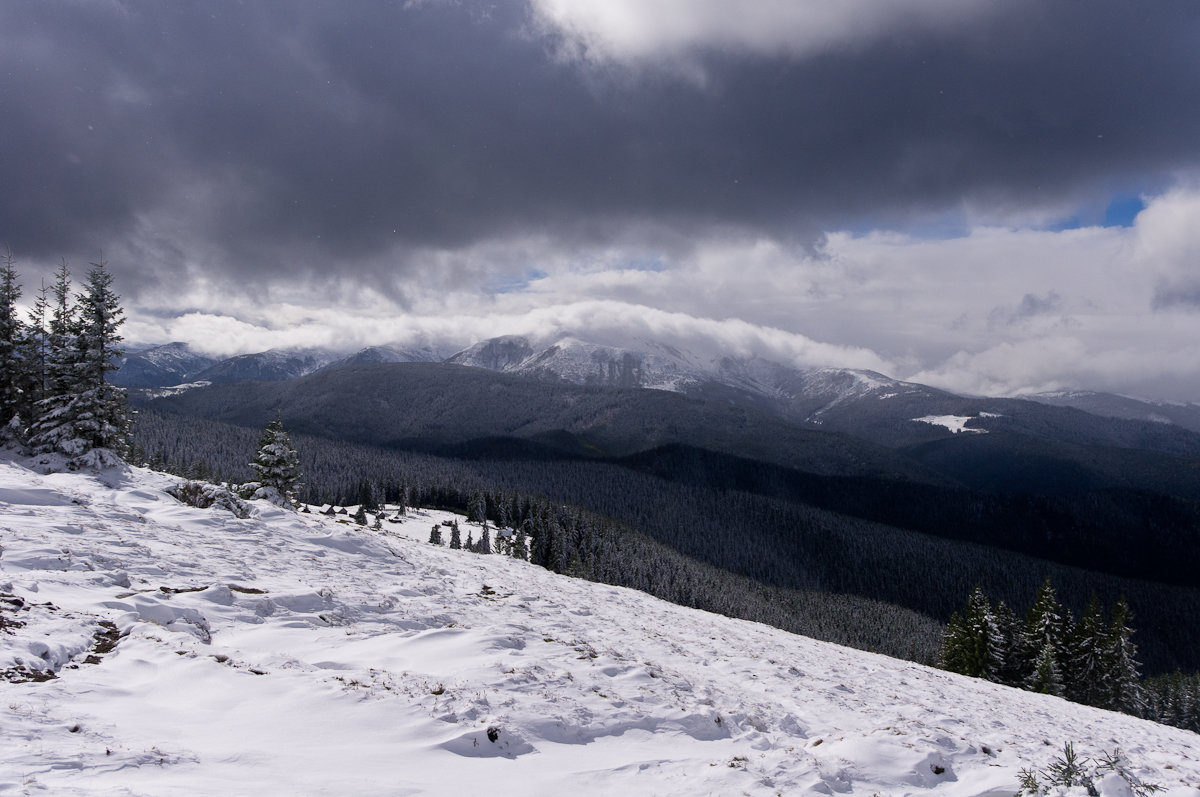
300, 654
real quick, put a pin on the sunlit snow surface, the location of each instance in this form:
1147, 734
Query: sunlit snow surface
293, 654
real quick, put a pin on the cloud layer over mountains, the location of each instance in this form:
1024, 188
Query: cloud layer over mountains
914, 186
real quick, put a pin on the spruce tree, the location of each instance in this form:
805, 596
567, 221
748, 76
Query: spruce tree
455, 536
1087, 667
11, 366
1012, 641
1046, 676
973, 644
101, 415
1123, 691
1046, 630
478, 508
51, 427
276, 466
435, 535
520, 546
81, 414
987, 632
34, 357
485, 540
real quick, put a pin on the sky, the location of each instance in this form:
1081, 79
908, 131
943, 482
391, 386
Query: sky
990, 197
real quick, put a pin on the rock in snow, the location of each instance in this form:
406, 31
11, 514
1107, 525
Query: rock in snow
149, 647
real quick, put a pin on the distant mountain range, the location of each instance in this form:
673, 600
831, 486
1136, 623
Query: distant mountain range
858, 402
173, 364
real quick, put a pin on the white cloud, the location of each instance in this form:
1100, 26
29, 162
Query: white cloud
654, 30
995, 311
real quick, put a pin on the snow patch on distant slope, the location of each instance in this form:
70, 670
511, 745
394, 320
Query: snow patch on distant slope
955, 423
172, 390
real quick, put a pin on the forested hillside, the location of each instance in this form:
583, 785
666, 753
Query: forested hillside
695, 534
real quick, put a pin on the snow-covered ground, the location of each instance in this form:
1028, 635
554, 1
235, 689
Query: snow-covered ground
295, 654
955, 423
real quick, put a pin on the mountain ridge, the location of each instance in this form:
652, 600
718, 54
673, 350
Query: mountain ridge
815, 395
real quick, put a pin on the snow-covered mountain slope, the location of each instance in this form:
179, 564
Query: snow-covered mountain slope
197, 653
657, 365
1109, 405
389, 354
651, 365
274, 365
167, 364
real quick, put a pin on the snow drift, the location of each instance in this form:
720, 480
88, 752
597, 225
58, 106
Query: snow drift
150, 647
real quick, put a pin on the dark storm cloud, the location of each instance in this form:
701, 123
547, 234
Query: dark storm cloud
287, 135
1169, 297
1030, 306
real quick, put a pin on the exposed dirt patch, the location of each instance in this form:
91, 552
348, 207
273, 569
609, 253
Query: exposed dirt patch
9, 606
21, 674
104, 641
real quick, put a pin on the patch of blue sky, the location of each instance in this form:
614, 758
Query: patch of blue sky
1120, 211
649, 263
515, 284
927, 227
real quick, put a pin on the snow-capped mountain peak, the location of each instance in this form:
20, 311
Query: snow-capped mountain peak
653, 364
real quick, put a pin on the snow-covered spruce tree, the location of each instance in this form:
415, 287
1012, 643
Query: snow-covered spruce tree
1123, 688
520, 546
34, 355
478, 508
1087, 669
11, 366
1046, 676
102, 416
83, 416
954, 654
50, 427
972, 644
455, 536
435, 535
1012, 642
485, 540
276, 467
1047, 628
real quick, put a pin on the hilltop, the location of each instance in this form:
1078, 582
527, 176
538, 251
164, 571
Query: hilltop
196, 652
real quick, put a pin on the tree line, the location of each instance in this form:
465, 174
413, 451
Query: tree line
1090, 660
55, 398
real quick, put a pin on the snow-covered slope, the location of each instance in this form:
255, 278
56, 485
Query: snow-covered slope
657, 365
292, 654
1109, 405
166, 364
268, 366
389, 354
651, 365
